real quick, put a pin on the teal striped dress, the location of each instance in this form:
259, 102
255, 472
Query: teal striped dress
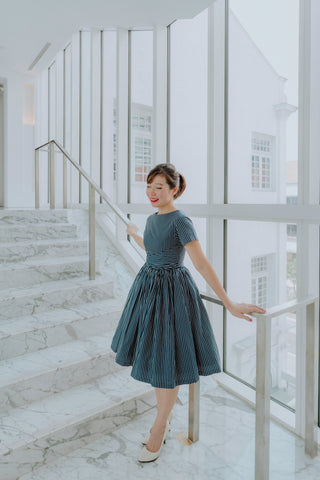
164, 331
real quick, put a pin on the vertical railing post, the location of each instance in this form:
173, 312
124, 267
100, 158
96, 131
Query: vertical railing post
92, 232
65, 184
37, 186
310, 404
194, 412
52, 180
263, 384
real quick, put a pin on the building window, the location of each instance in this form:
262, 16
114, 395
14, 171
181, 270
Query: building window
141, 122
142, 155
292, 200
292, 230
141, 141
261, 161
261, 267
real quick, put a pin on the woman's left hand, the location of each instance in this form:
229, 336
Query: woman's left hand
240, 309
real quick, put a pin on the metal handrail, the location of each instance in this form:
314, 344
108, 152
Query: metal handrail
263, 333
263, 380
89, 180
93, 188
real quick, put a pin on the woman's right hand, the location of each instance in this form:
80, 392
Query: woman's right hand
240, 309
132, 229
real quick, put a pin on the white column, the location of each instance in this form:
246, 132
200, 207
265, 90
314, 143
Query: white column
75, 124
122, 124
216, 149
59, 119
263, 385
159, 119
308, 188
95, 104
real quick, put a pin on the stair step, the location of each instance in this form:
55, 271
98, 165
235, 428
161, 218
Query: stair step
29, 231
33, 272
34, 435
33, 216
30, 377
53, 295
20, 252
36, 332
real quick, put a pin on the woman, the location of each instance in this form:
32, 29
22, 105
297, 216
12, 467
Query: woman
164, 331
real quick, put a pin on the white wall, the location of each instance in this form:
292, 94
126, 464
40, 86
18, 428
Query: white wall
1, 148
254, 89
19, 140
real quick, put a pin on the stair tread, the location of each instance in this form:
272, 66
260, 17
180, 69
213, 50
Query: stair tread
44, 261
26, 424
34, 225
30, 323
50, 286
43, 361
49, 241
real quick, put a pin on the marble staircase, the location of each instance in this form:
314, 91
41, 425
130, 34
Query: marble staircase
60, 388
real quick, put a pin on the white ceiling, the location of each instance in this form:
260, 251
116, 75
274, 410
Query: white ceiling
27, 25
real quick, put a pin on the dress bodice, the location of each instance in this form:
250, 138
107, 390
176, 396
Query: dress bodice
165, 236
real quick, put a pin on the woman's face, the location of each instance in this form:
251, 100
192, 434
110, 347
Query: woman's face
159, 192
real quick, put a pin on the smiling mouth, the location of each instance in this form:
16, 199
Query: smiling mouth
153, 200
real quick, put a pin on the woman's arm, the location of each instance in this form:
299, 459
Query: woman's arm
204, 267
132, 230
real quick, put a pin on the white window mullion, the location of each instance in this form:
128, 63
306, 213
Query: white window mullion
95, 105
75, 114
122, 122
216, 151
307, 235
159, 119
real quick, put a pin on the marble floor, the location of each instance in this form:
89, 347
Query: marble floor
225, 449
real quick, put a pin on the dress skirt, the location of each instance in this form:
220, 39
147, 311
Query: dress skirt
164, 331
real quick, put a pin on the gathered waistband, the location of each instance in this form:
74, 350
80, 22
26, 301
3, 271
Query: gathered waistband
171, 266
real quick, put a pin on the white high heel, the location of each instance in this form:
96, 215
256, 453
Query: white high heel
146, 438
147, 456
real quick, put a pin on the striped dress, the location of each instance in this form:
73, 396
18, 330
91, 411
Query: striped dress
164, 331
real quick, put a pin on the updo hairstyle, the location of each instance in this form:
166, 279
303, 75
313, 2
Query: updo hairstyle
173, 178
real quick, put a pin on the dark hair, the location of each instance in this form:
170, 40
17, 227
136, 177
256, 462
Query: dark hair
173, 178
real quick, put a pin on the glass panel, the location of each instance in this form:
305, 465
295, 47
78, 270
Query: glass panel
52, 91
85, 131
283, 354
200, 226
67, 98
1, 145
188, 104
264, 274
52, 101
109, 116
262, 101
141, 112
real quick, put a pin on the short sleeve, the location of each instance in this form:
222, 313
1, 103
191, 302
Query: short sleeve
185, 230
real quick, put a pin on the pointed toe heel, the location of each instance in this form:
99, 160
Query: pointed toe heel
146, 456
147, 436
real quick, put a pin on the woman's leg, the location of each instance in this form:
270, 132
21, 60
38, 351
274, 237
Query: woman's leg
166, 398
